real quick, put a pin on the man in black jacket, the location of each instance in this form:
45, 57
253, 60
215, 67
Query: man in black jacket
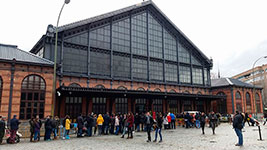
48, 129
106, 123
213, 121
89, 126
238, 125
159, 121
137, 122
80, 125
14, 126
149, 123
202, 119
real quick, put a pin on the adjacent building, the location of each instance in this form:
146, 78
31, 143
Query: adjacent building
257, 77
239, 96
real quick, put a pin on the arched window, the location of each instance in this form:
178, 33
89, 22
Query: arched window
99, 86
238, 101
122, 88
248, 102
187, 92
1, 88
32, 97
258, 102
74, 85
140, 89
172, 91
157, 90
199, 93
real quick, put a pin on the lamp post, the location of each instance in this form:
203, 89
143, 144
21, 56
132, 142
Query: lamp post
55, 61
253, 73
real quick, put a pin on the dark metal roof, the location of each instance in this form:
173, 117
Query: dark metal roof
10, 52
124, 10
230, 82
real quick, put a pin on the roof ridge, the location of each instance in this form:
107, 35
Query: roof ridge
229, 81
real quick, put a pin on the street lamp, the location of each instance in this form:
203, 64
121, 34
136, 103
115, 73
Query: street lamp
55, 61
253, 73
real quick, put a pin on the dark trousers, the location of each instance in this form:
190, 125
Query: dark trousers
213, 125
142, 126
80, 132
47, 134
202, 124
130, 131
173, 124
111, 129
89, 131
31, 136
106, 127
2, 133
13, 136
148, 130
239, 135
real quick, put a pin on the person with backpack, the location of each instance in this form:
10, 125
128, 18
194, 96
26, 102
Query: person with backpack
106, 123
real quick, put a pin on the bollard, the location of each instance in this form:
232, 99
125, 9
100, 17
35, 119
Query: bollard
260, 133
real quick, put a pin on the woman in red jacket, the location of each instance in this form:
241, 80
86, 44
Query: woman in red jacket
169, 120
130, 122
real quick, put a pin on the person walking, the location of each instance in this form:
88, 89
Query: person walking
149, 123
213, 121
67, 127
48, 129
14, 126
37, 127
117, 124
2, 128
202, 120
159, 121
238, 125
31, 122
99, 122
142, 121
80, 125
130, 122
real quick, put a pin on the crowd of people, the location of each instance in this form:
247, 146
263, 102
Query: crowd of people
121, 124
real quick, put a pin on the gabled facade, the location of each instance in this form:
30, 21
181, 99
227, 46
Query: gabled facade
133, 53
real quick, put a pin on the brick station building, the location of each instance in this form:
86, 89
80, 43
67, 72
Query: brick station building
239, 96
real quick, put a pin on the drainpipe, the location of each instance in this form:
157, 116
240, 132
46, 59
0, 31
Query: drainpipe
11, 90
232, 97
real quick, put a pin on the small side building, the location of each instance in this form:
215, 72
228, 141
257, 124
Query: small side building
239, 96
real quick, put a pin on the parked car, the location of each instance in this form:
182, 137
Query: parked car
224, 118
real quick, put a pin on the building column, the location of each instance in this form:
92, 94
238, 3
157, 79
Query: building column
90, 105
114, 106
62, 107
130, 105
164, 102
108, 105
84, 106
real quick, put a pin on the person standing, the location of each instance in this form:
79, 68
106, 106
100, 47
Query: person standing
37, 127
14, 126
48, 129
94, 123
202, 120
31, 122
112, 123
2, 128
159, 121
213, 121
80, 125
238, 125
117, 124
130, 122
106, 123
137, 122
149, 123
90, 123
169, 120
99, 122
172, 121
55, 125
125, 125
142, 120
67, 127
165, 122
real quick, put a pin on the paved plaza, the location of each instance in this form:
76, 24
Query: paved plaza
180, 138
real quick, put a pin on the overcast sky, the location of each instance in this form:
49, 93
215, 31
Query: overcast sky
231, 32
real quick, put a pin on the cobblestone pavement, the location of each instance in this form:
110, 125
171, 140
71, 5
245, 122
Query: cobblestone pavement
180, 138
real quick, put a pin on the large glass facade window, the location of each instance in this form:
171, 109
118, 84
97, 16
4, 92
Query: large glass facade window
121, 66
248, 103
154, 37
75, 60
187, 105
184, 55
200, 106
100, 37
99, 105
139, 34
139, 68
184, 74
80, 39
197, 76
100, 63
206, 81
121, 36
171, 72
156, 70
73, 106
32, 97
258, 102
170, 52
195, 61
121, 105
238, 101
